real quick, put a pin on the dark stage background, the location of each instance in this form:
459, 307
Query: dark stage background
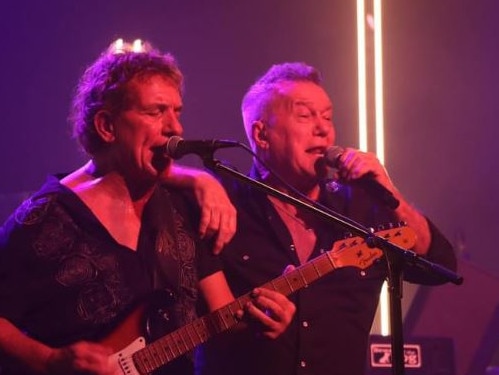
441, 90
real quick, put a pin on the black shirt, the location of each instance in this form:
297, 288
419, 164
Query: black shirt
64, 278
328, 335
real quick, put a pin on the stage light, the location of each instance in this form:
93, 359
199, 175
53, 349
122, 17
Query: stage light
370, 96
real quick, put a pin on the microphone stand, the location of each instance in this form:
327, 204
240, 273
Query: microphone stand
396, 255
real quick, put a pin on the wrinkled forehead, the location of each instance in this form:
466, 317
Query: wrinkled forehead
288, 95
148, 85
149, 79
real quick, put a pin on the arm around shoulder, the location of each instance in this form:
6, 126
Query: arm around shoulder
218, 215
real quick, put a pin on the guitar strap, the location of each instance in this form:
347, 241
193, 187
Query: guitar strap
170, 258
160, 257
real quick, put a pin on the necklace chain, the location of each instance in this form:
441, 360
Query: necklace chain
292, 216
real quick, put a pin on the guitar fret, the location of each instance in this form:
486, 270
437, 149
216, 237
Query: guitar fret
155, 357
311, 272
168, 346
176, 342
146, 361
163, 354
316, 269
324, 265
138, 360
241, 301
201, 330
232, 313
193, 342
164, 345
228, 319
183, 347
289, 284
233, 307
206, 329
273, 283
331, 261
181, 333
305, 283
296, 282
221, 314
212, 324
282, 285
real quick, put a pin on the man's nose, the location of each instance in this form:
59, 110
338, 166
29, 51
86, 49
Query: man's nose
322, 126
172, 125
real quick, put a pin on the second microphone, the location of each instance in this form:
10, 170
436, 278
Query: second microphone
367, 181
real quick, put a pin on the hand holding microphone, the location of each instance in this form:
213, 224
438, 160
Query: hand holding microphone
356, 167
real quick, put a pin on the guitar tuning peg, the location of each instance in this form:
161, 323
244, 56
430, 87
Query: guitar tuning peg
402, 223
347, 235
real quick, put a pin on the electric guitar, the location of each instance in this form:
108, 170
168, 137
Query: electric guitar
141, 358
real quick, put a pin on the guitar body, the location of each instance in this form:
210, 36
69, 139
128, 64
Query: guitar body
124, 357
127, 366
146, 323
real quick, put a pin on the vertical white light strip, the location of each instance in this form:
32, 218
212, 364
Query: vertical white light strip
380, 138
378, 81
384, 313
384, 310
362, 82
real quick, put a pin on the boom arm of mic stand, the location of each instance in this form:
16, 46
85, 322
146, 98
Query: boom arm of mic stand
333, 217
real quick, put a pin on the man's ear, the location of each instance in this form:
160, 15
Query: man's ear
259, 133
104, 126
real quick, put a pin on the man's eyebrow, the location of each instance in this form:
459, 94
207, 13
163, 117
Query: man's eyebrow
302, 102
309, 104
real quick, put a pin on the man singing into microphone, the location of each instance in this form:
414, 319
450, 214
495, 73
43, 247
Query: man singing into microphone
88, 263
288, 121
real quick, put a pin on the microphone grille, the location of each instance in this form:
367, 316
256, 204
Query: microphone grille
171, 146
332, 155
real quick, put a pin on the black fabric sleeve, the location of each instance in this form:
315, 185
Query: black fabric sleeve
206, 262
441, 252
23, 281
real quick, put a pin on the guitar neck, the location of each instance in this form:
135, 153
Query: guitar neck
184, 339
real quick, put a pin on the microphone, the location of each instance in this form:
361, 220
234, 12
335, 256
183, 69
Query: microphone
176, 147
367, 181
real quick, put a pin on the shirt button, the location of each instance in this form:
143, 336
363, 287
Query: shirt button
304, 324
303, 364
322, 251
363, 273
245, 257
292, 247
